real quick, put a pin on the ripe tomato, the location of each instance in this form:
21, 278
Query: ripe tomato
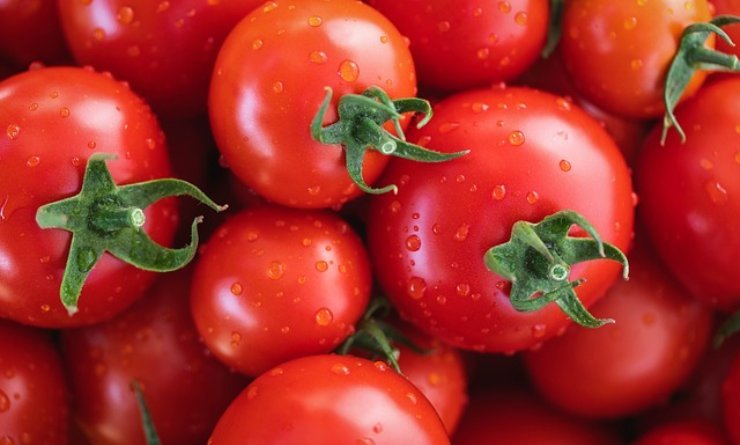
268, 84
532, 154
687, 432
156, 344
690, 195
618, 53
472, 43
165, 50
731, 400
275, 284
30, 32
513, 417
53, 120
618, 370
330, 399
722, 7
33, 394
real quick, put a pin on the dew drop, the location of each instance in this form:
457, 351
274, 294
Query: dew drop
630, 23
384, 39
462, 232
562, 103
339, 369
237, 289
13, 131
324, 317
717, 193
504, 7
315, 21
516, 138
483, 53
564, 165
252, 392
413, 243
479, 107
45, 308
4, 402
125, 15
317, 57
395, 207
416, 288
533, 197
33, 107
236, 339
412, 398
64, 112
448, 127
33, 161
276, 270
269, 6
91, 145
499, 192
163, 6
636, 64
257, 44
521, 18
349, 71
277, 87
539, 330
322, 266
443, 26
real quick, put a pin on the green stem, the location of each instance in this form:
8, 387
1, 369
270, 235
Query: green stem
147, 424
555, 27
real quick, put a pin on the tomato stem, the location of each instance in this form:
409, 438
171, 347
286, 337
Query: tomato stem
104, 217
150, 431
537, 261
691, 56
726, 330
554, 27
360, 127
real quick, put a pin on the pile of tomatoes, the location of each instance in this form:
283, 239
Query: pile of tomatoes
545, 252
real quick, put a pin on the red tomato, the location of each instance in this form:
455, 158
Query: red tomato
33, 394
690, 195
164, 49
618, 53
330, 399
275, 284
658, 338
471, 43
683, 433
53, 120
723, 7
156, 344
731, 400
517, 417
30, 32
439, 374
532, 154
268, 84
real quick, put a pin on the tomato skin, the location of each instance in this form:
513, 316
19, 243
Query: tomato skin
618, 53
166, 50
512, 417
722, 7
466, 44
659, 337
690, 195
268, 85
156, 344
687, 432
30, 32
275, 284
330, 399
731, 400
54, 119
428, 241
34, 405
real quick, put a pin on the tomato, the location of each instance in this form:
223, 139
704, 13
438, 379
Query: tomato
532, 154
54, 119
156, 344
33, 393
268, 85
690, 195
330, 399
731, 400
512, 417
275, 284
166, 50
472, 43
723, 7
30, 32
687, 432
658, 339
618, 53
438, 373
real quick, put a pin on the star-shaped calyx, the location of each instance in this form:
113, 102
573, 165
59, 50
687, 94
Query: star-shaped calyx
537, 261
360, 127
104, 217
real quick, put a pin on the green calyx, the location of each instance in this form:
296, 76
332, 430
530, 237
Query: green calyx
691, 56
376, 336
726, 330
360, 127
104, 217
554, 27
147, 424
538, 259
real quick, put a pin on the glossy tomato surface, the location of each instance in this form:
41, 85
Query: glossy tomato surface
472, 43
618, 53
327, 400
275, 284
514, 417
164, 49
532, 154
659, 335
33, 395
53, 120
30, 32
690, 195
269, 82
154, 343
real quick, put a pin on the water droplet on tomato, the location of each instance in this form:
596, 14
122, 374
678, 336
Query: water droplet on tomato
717, 193
416, 288
315, 190
478, 107
521, 18
33, 161
324, 317
317, 57
252, 392
462, 232
499, 192
236, 339
277, 87
276, 270
539, 330
322, 266
516, 138
237, 289
64, 112
257, 44
315, 21
413, 243
706, 164
443, 26
533, 197
4, 402
630, 23
98, 34
564, 165
13, 131
349, 71
448, 127
504, 7
412, 398
339, 369
125, 15
395, 207
463, 289
384, 39
483, 53
636, 64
